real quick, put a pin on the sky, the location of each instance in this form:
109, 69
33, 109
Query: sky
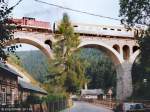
31, 8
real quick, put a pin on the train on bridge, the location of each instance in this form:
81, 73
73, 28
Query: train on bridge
27, 22
82, 29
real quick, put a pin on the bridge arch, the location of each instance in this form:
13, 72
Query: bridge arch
118, 62
43, 47
112, 53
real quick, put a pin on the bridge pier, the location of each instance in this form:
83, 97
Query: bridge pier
124, 81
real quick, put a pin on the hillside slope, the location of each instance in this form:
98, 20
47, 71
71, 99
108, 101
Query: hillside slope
36, 64
101, 71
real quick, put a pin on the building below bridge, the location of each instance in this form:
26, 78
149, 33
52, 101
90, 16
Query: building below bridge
8, 85
91, 93
25, 89
13, 90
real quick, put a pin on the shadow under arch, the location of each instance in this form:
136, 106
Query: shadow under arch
134, 57
43, 47
136, 71
116, 58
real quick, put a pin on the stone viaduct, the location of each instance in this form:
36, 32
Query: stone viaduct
118, 43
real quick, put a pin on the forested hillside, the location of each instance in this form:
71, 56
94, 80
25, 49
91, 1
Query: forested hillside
35, 62
100, 72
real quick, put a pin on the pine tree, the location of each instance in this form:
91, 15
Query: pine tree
65, 69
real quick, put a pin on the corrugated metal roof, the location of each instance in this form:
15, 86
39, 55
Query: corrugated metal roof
31, 87
8, 69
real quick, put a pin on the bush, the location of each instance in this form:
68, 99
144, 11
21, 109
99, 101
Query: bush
54, 97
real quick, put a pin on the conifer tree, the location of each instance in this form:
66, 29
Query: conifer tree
65, 69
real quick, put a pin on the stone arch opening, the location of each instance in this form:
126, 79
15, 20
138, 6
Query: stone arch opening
135, 59
126, 52
44, 48
49, 42
123, 91
109, 51
117, 48
100, 70
139, 75
106, 51
135, 48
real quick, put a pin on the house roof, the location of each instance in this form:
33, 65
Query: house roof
8, 69
30, 87
92, 91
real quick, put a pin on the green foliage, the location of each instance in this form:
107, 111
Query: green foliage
53, 88
100, 71
141, 69
144, 43
13, 59
54, 97
140, 87
138, 12
6, 31
135, 12
65, 71
34, 62
92, 63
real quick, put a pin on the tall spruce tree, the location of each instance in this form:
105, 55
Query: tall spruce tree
66, 70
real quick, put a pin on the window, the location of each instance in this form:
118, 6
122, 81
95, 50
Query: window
104, 28
3, 96
75, 26
118, 29
112, 29
13, 96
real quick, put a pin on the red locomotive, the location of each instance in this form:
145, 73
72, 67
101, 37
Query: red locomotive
31, 22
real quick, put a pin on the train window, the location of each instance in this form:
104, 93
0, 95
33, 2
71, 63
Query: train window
118, 29
112, 29
75, 26
104, 28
